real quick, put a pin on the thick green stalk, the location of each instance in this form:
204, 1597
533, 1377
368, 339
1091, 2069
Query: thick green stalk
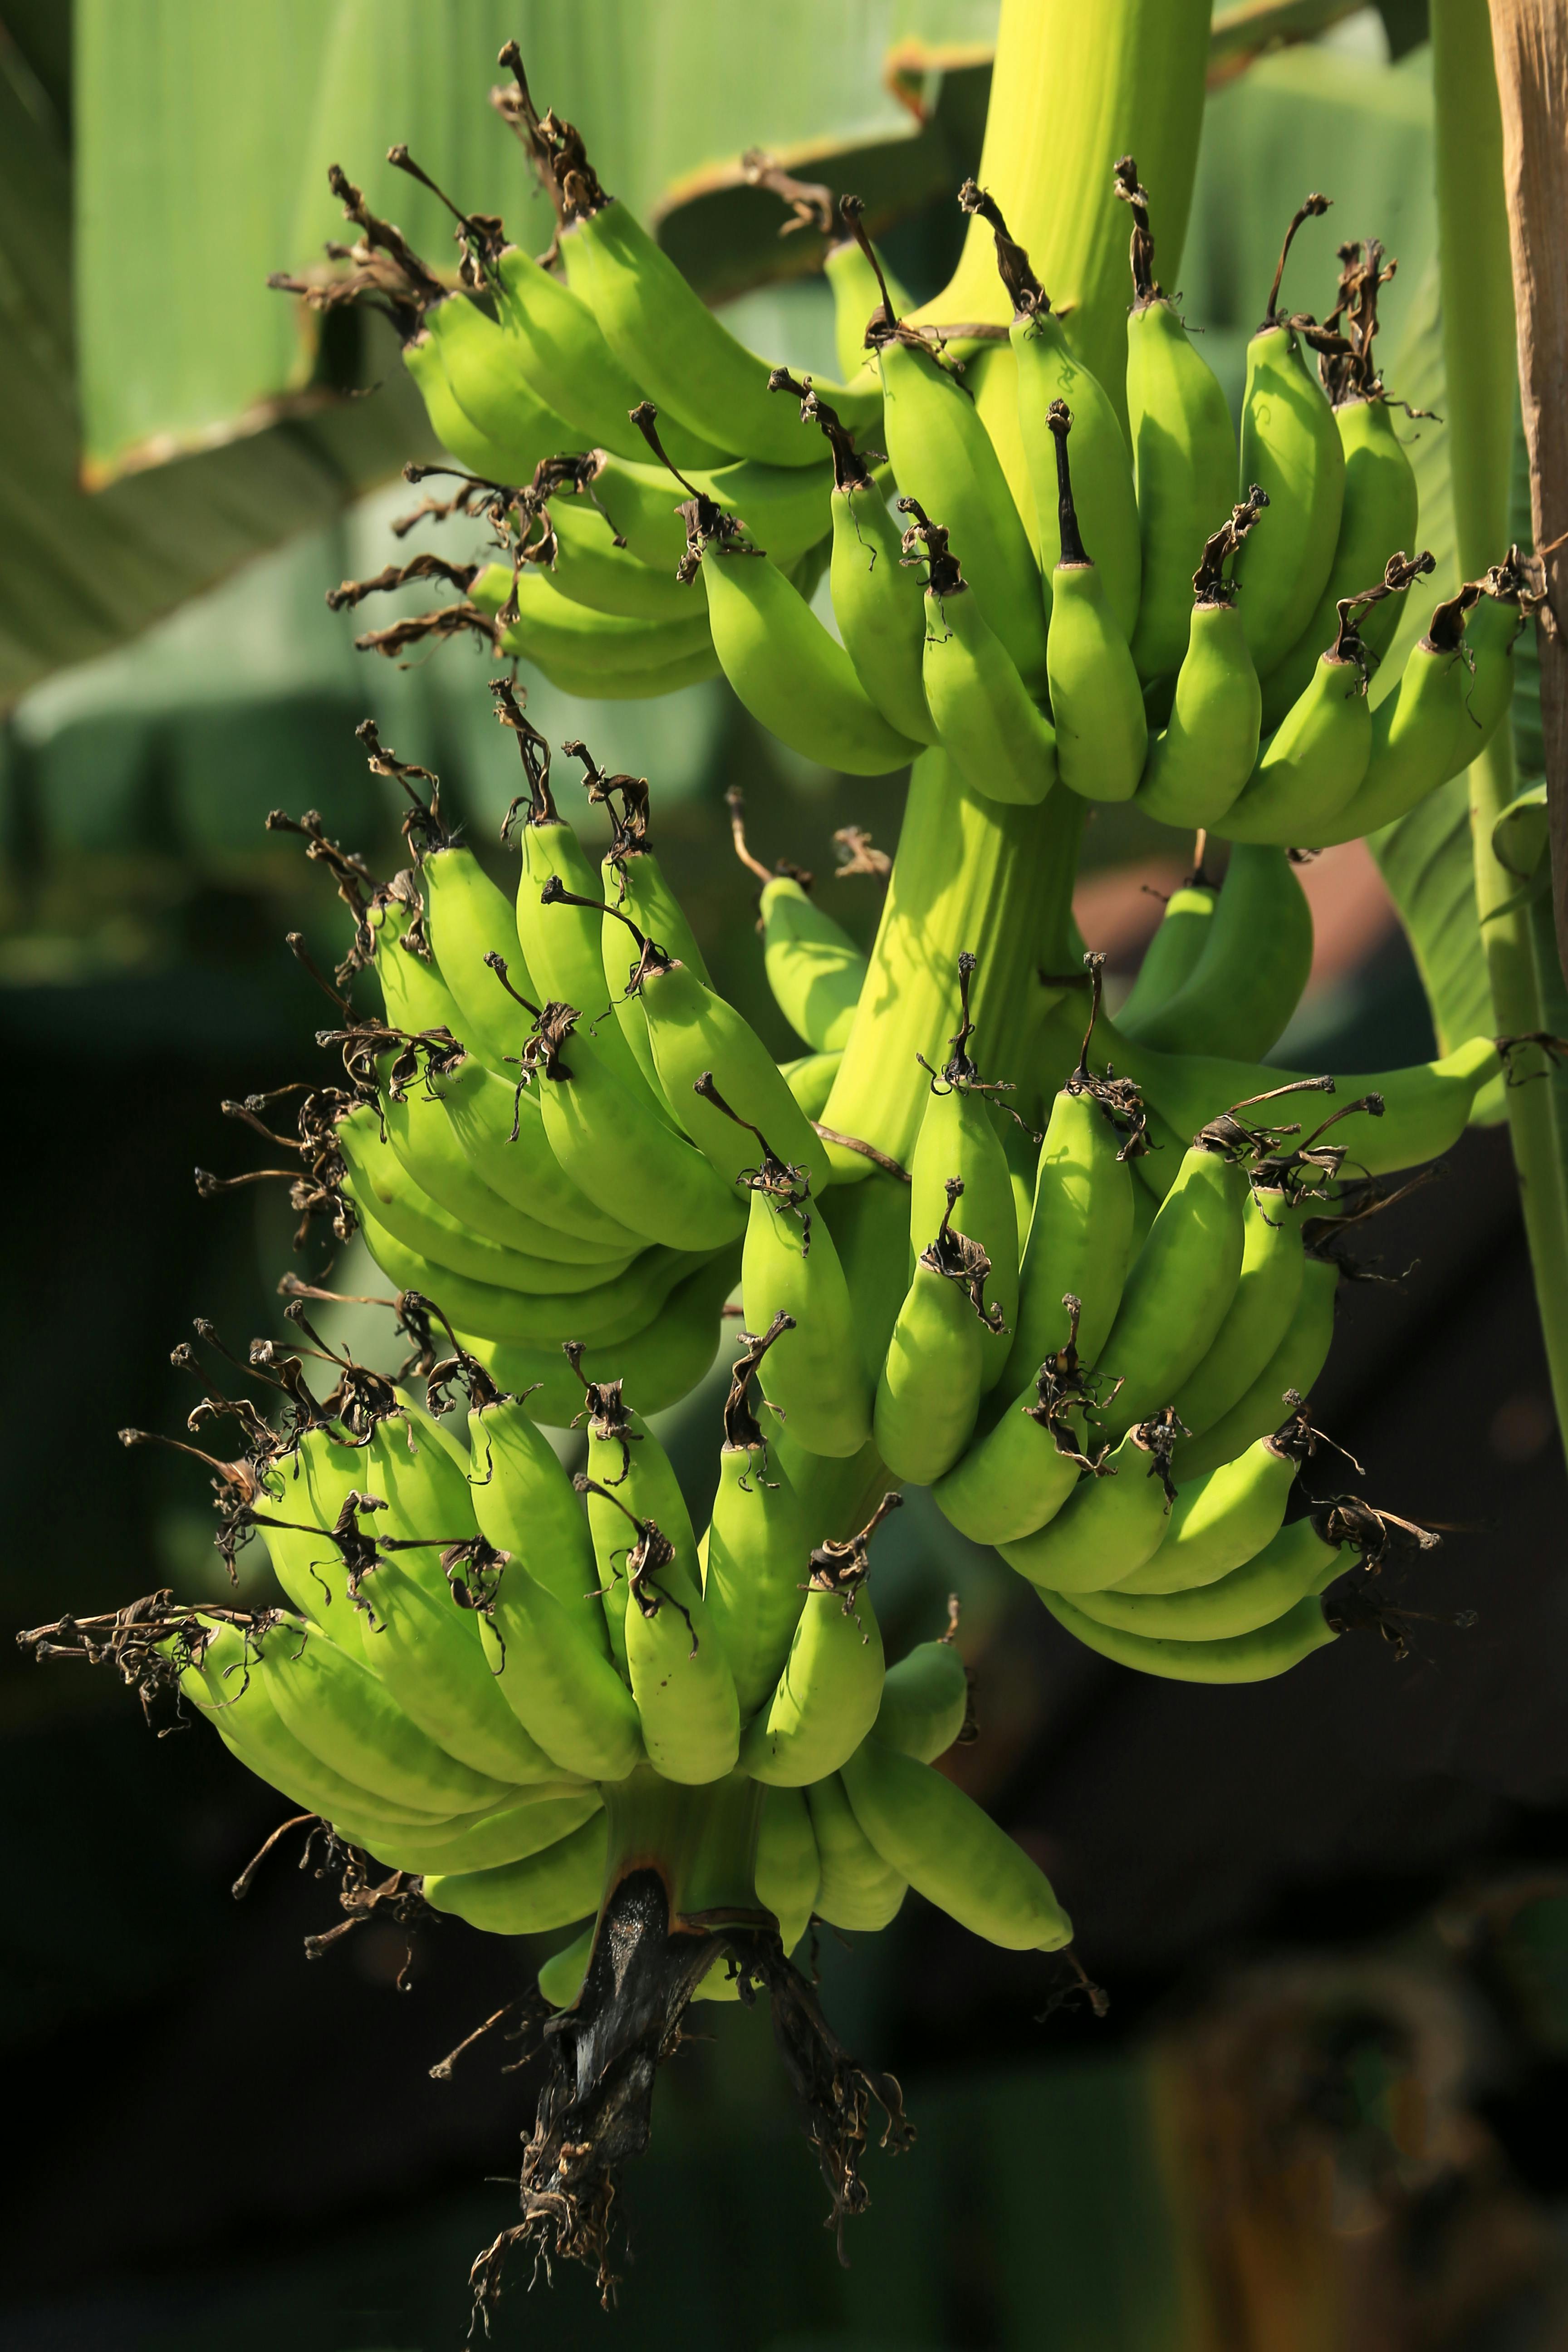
702, 1841
971, 874
1479, 350
1078, 83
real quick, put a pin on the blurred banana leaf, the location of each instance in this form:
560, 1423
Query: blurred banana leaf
80, 573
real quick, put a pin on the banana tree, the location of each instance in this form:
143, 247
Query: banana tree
1071, 1269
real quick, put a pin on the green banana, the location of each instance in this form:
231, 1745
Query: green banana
984, 716
1184, 452
628, 1470
1179, 1286
1425, 1108
1254, 1657
815, 970
870, 1226
1294, 1366
1251, 971
713, 1063
663, 1361
793, 677
862, 286
507, 1833
1316, 757
1116, 1516
857, 1890
614, 1147
1097, 703
925, 1698
613, 1310
679, 1676
814, 1376
1223, 1519
539, 624
1267, 1292
593, 569
224, 1685
378, 1183
927, 1829
1452, 694
550, 1663
943, 459
685, 359
480, 363
1046, 369
562, 354
425, 1141
786, 511
1291, 448
549, 1889
757, 1549
524, 1504
1381, 502
828, 1697
1080, 1221
958, 1137
1172, 955
560, 1978
499, 1128
876, 600
927, 1393
1295, 1562
787, 1873
1204, 755
339, 1710
1016, 1477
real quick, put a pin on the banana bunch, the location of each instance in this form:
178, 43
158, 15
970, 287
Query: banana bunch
1096, 587
1075, 1273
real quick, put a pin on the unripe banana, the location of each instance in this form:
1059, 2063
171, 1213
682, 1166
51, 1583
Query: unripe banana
1267, 1292
508, 1834
787, 1873
1046, 370
928, 1395
1380, 509
1016, 1477
1116, 1517
794, 678
943, 459
524, 1504
1172, 955
959, 1138
683, 357
1254, 1657
679, 1676
984, 716
1291, 448
1218, 1522
548, 1890
756, 1553
925, 1698
928, 1831
1299, 1560
1097, 703
1294, 1366
1205, 752
814, 1376
857, 1890
831, 1687
1253, 967
1317, 756
1183, 449
1180, 1287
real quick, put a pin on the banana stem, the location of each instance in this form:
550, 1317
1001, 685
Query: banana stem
1077, 83
701, 1842
1479, 348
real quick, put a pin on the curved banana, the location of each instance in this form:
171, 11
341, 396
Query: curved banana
1097, 703
1291, 448
549, 1889
857, 1890
1205, 753
926, 1829
1254, 1657
1184, 450
1117, 1515
1252, 968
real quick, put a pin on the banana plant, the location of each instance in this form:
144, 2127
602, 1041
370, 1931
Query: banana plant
1073, 1272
